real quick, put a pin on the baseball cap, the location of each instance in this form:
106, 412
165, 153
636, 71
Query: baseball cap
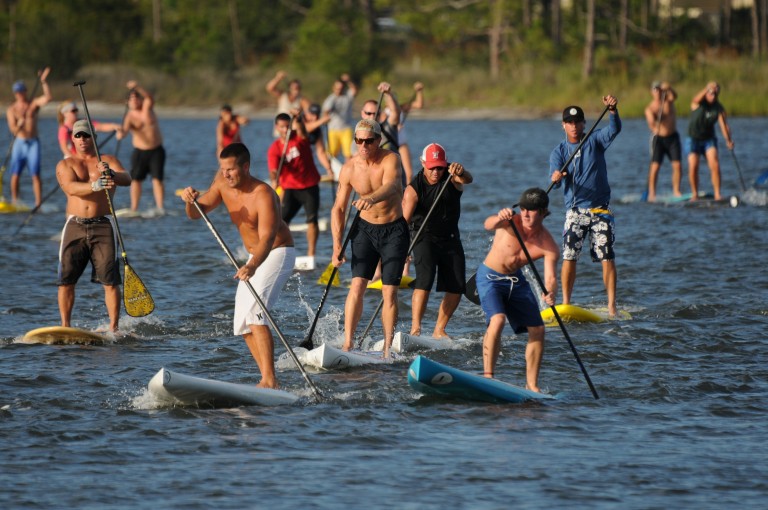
573, 114
19, 86
656, 85
534, 199
81, 126
68, 107
314, 108
433, 156
368, 125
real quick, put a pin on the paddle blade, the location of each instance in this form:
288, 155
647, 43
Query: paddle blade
330, 272
471, 290
136, 297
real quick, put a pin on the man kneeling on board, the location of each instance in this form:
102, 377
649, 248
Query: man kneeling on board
504, 293
255, 209
89, 231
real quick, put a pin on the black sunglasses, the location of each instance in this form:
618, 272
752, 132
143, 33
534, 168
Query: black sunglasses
82, 134
367, 141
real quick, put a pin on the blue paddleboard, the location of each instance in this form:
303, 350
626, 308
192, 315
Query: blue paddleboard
433, 378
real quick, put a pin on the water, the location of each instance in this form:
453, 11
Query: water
680, 422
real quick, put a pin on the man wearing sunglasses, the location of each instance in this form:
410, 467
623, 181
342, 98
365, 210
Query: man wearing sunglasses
388, 118
381, 232
88, 233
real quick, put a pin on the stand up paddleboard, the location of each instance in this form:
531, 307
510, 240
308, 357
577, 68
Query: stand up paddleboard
405, 281
705, 199
196, 391
573, 313
331, 358
9, 208
403, 342
63, 335
433, 378
322, 226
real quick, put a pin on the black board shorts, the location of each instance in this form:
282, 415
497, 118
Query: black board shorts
386, 241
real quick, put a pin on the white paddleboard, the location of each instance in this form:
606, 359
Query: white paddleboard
190, 390
304, 263
63, 335
329, 358
403, 342
322, 225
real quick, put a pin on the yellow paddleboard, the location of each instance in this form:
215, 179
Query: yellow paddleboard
404, 282
7, 207
63, 335
569, 313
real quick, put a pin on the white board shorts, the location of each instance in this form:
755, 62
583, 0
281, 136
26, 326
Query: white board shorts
268, 280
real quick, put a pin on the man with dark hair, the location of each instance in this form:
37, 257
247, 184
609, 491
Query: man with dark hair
255, 209
503, 290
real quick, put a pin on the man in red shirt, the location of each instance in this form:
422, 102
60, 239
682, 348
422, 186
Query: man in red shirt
298, 176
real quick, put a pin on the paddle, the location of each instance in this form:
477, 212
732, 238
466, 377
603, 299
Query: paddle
278, 189
307, 343
738, 169
258, 300
328, 275
136, 298
13, 140
410, 249
554, 309
563, 169
33, 211
108, 138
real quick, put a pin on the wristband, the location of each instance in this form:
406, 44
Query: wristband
97, 186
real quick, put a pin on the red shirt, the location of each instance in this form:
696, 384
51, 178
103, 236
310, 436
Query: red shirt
299, 170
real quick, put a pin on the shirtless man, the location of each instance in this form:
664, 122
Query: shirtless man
504, 293
22, 123
254, 208
89, 231
661, 117
381, 233
148, 157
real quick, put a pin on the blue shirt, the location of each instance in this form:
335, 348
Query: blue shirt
586, 181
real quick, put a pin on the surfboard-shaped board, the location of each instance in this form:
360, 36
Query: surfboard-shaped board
63, 335
404, 282
570, 313
9, 208
322, 225
705, 199
433, 378
403, 342
304, 263
332, 358
191, 390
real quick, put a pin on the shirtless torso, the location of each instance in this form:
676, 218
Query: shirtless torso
141, 121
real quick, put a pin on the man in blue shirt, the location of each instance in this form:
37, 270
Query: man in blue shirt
587, 197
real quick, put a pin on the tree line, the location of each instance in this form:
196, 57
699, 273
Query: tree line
364, 37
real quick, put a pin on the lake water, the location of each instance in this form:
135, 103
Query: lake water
680, 422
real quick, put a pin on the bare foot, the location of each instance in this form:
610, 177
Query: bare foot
651, 198
441, 335
533, 388
677, 193
718, 196
415, 332
346, 347
385, 353
612, 312
488, 375
271, 384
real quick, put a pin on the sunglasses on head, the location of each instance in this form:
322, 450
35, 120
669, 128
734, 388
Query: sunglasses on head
81, 134
367, 141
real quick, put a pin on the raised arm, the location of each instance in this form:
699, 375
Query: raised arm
273, 83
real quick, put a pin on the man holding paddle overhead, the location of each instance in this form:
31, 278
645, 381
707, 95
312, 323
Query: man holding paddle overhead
254, 208
22, 122
381, 232
587, 196
665, 140
148, 156
89, 233
438, 250
503, 290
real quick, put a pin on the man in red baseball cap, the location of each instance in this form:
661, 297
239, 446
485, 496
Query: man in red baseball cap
438, 249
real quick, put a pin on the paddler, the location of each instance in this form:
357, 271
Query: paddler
503, 290
89, 233
254, 208
381, 233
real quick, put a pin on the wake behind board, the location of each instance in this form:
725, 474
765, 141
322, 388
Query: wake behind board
403, 342
330, 358
433, 378
190, 390
63, 335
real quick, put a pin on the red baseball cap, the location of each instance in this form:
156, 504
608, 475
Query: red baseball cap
433, 155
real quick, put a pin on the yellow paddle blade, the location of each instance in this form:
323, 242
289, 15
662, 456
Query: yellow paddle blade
279, 191
326, 276
136, 298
